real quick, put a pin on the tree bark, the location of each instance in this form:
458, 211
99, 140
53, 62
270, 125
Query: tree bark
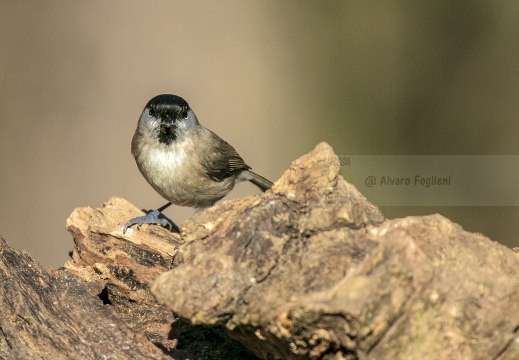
52, 315
308, 270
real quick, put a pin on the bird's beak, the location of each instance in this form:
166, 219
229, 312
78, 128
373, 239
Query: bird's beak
168, 122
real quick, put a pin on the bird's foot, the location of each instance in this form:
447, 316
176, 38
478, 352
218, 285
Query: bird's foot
150, 218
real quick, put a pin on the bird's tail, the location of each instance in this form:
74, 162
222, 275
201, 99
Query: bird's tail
257, 180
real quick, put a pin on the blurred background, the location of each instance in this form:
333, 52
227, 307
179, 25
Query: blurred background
273, 78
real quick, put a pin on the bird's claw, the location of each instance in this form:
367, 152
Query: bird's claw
150, 218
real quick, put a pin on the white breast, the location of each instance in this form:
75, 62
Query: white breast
165, 169
175, 172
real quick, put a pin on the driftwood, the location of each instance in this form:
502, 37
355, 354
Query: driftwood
310, 269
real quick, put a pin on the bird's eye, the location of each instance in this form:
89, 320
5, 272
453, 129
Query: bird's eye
184, 113
151, 111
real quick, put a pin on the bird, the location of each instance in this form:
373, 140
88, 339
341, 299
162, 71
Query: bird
186, 163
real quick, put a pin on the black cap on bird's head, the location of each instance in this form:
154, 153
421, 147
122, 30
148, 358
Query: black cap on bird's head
168, 107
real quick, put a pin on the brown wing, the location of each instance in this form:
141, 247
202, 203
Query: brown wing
221, 160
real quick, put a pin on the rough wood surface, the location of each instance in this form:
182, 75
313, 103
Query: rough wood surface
52, 315
313, 270
121, 268
309, 269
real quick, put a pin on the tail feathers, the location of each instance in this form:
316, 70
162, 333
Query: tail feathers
257, 180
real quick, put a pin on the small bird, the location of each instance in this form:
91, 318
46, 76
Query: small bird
184, 162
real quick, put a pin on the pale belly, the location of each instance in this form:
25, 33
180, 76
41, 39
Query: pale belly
181, 180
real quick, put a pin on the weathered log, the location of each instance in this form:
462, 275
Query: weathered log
52, 315
309, 269
121, 269
312, 270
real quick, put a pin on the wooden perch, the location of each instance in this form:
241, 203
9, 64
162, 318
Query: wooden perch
52, 315
310, 269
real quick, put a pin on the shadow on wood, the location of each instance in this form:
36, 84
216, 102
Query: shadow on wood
309, 269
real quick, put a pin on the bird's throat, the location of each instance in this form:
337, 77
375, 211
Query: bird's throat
167, 135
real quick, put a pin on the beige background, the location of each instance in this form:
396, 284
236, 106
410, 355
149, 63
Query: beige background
274, 78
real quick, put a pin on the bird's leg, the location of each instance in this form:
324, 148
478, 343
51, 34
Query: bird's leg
150, 218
